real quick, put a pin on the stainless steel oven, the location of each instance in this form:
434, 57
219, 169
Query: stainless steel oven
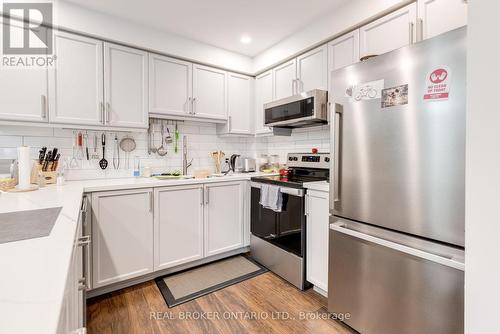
302, 110
278, 239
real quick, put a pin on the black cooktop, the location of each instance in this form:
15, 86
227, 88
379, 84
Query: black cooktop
293, 181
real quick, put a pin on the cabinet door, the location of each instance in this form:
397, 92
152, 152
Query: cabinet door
170, 85
126, 86
263, 95
122, 235
284, 79
209, 92
24, 91
224, 211
240, 104
343, 51
76, 82
439, 16
312, 70
317, 226
390, 32
178, 225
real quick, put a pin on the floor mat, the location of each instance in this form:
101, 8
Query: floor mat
190, 284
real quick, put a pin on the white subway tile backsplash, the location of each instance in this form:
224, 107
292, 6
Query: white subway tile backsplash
202, 140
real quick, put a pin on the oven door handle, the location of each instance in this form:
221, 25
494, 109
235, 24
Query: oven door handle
284, 190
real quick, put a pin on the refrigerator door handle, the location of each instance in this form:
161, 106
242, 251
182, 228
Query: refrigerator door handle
338, 153
446, 261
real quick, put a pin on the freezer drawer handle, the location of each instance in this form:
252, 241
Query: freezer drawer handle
449, 262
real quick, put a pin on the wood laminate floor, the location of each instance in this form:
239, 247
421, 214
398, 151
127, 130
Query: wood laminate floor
264, 304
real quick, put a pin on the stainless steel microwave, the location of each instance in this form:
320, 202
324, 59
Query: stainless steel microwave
302, 110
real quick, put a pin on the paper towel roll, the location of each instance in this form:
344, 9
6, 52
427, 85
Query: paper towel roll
24, 162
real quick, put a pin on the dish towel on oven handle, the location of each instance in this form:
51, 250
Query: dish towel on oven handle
271, 197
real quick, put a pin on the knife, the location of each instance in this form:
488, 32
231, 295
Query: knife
46, 161
54, 153
41, 155
55, 162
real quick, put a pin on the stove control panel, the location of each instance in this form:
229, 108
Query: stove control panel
309, 160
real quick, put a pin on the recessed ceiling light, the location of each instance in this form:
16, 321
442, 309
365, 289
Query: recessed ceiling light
246, 39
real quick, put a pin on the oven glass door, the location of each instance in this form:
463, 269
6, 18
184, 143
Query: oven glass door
284, 229
290, 111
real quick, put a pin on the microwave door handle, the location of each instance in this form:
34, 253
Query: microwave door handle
338, 153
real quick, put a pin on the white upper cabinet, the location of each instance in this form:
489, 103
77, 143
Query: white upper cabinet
209, 93
263, 95
343, 51
390, 32
240, 102
76, 82
126, 86
122, 235
178, 225
224, 217
170, 86
312, 70
24, 92
285, 79
439, 16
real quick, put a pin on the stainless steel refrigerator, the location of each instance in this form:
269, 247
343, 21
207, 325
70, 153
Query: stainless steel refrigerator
396, 261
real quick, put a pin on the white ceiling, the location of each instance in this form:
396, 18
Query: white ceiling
220, 22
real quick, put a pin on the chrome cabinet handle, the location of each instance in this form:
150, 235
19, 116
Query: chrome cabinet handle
411, 26
84, 241
108, 107
151, 204
306, 204
194, 105
101, 117
207, 195
338, 152
202, 196
190, 105
420, 30
229, 121
44, 106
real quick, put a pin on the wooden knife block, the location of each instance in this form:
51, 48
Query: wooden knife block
50, 176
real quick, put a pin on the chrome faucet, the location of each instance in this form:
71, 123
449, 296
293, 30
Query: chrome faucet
185, 164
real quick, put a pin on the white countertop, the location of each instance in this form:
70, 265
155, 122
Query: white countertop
318, 185
34, 271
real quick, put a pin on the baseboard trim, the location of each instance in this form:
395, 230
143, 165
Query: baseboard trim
137, 280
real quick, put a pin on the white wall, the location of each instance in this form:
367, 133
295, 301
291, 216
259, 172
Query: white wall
77, 18
342, 19
482, 226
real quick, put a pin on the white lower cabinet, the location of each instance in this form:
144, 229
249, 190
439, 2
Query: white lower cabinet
317, 227
224, 216
72, 309
136, 232
178, 225
122, 234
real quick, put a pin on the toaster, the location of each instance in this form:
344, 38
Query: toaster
248, 165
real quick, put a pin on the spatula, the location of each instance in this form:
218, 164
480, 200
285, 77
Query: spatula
103, 163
